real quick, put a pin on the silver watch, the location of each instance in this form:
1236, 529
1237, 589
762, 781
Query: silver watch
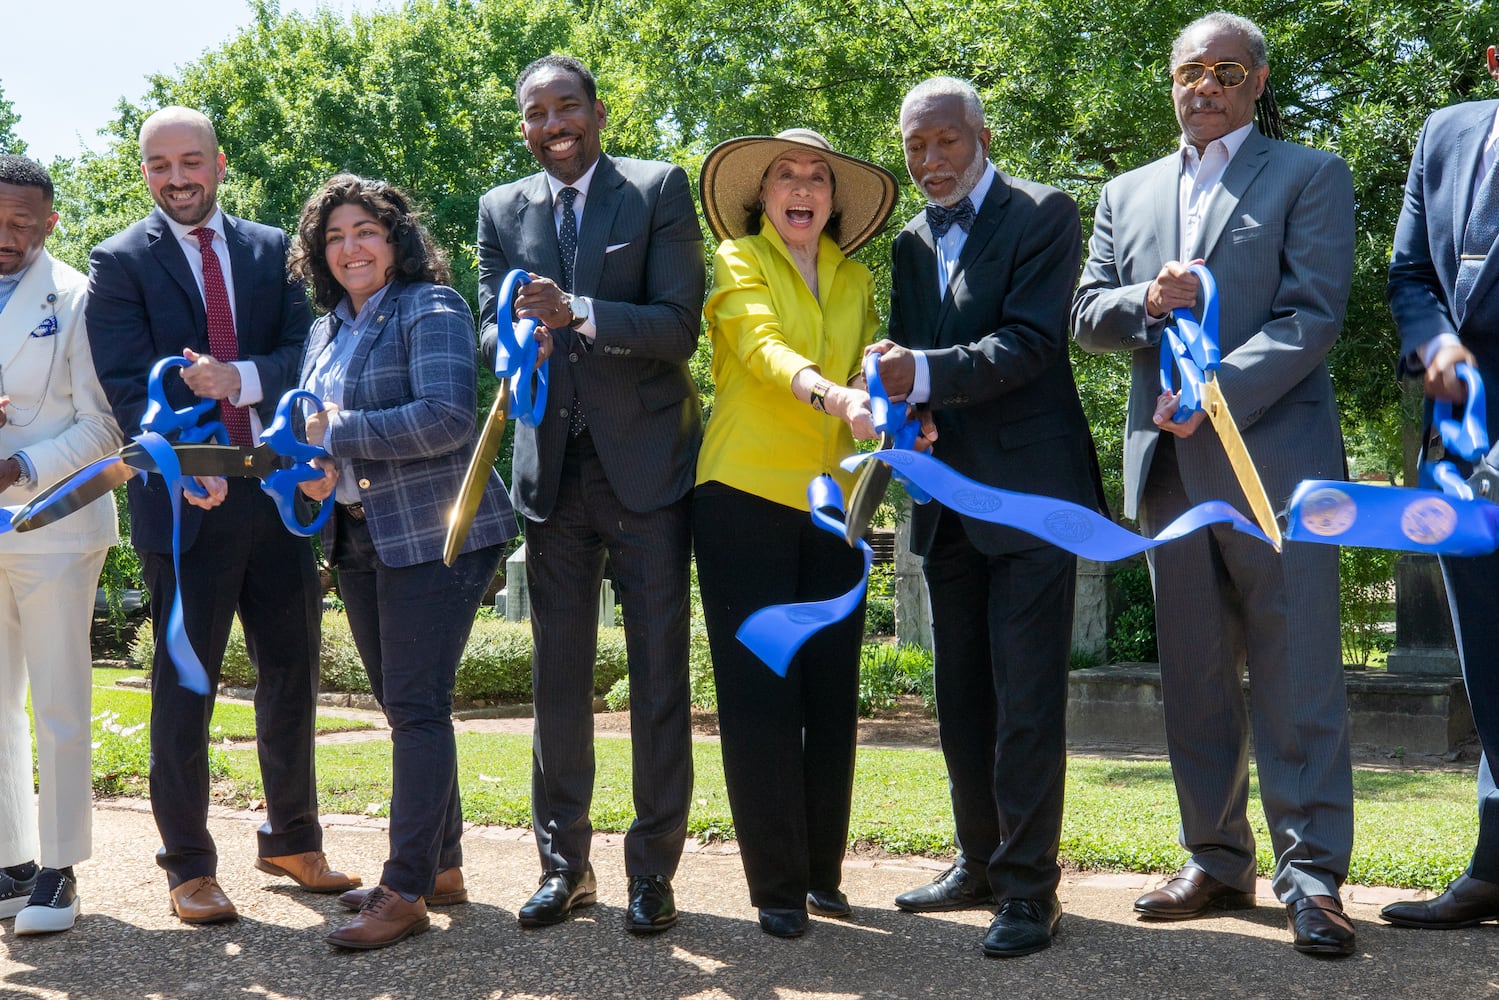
578, 306
23, 477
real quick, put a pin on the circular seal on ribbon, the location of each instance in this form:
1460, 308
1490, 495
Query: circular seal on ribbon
1328, 512
974, 502
1069, 526
1428, 521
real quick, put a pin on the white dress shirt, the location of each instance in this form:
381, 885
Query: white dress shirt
1201, 180
250, 390
587, 328
949, 248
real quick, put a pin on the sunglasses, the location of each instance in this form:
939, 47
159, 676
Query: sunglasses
1228, 74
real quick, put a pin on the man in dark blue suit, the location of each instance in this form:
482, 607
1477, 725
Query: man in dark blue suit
616, 257
1443, 294
189, 279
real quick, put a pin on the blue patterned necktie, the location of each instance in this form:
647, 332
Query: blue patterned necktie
942, 219
567, 249
1478, 240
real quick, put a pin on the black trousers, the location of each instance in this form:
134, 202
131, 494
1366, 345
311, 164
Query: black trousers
1002, 626
410, 625
243, 560
649, 554
788, 743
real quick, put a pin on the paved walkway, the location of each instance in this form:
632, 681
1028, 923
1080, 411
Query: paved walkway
127, 945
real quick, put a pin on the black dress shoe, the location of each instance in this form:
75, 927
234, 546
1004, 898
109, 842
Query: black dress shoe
954, 889
652, 907
561, 892
1467, 902
1321, 926
1192, 892
1023, 927
783, 923
828, 903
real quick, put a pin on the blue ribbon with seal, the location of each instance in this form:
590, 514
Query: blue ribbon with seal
1447, 515
777, 632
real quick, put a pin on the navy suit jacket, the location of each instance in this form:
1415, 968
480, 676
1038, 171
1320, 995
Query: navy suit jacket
407, 424
1423, 268
1002, 394
144, 304
640, 257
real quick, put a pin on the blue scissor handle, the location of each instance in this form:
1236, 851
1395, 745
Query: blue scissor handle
1191, 347
1468, 438
281, 485
515, 355
883, 413
161, 418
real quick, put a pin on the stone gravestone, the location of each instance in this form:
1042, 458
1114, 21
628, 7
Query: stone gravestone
514, 602
1424, 641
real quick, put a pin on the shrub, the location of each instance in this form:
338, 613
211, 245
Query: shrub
1132, 632
886, 672
1366, 589
496, 664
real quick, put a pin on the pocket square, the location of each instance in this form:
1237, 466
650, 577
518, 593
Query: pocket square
47, 328
617, 246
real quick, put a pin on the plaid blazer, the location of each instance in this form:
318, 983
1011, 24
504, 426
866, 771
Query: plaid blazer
408, 424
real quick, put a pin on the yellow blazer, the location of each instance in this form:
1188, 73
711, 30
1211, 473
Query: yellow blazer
765, 326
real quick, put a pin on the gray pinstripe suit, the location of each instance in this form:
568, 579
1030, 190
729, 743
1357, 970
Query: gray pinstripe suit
622, 489
1278, 238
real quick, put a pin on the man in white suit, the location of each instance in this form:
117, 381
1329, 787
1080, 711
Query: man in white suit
53, 420
1274, 223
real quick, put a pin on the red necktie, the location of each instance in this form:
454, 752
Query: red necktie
222, 343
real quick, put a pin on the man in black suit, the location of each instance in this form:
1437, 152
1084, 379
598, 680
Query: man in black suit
189, 279
616, 260
982, 283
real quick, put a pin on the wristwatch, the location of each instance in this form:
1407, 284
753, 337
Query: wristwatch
578, 306
23, 478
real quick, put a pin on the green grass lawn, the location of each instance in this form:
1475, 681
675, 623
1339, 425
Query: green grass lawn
1414, 829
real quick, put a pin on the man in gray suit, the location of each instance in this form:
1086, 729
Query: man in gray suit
616, 260
1274, 223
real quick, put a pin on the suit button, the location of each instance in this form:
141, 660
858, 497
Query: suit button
364, 484
573, 357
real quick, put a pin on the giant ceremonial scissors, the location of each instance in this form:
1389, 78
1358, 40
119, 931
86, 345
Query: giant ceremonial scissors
897, 429
1190, 348
523, 383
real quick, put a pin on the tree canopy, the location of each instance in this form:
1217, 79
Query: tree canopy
1076, 91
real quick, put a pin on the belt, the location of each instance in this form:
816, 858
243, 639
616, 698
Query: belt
354, 511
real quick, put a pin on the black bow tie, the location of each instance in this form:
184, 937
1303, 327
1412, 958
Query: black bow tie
942, 219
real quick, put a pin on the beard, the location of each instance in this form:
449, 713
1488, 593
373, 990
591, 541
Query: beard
967, 180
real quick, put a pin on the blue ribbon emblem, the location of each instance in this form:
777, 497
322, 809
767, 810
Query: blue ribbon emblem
775, 633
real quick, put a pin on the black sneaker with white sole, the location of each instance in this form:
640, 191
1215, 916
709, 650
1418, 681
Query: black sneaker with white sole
53, 905
15, 890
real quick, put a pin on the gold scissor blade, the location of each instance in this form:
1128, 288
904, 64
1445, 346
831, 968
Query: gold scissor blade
471, 493
1238, 458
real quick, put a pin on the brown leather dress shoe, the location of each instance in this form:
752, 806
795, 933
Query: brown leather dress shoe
384, 919
448, 891
201, 901
1321, 927
1192, 892
1467, 902
309, 870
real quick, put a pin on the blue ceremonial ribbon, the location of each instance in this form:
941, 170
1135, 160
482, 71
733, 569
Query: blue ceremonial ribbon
902, 426
1331, 512
1190, 348
775, 633
190, 672
1064, 524
515, 355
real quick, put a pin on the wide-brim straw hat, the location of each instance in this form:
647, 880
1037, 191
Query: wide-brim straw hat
863, 192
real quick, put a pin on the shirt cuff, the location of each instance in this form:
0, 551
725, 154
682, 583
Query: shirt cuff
587, 329
250, 389
1428, 350
921, 382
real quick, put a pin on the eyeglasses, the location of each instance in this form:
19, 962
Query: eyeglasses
1228, 74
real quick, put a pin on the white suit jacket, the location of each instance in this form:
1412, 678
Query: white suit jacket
58, 414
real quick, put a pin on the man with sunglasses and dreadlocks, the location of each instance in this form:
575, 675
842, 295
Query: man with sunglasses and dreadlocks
1274, 223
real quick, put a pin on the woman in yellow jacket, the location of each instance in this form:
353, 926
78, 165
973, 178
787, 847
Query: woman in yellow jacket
789, 315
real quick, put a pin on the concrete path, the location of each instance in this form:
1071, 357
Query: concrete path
127, 945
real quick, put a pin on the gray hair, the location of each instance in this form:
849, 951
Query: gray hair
947, 86
1222, 20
